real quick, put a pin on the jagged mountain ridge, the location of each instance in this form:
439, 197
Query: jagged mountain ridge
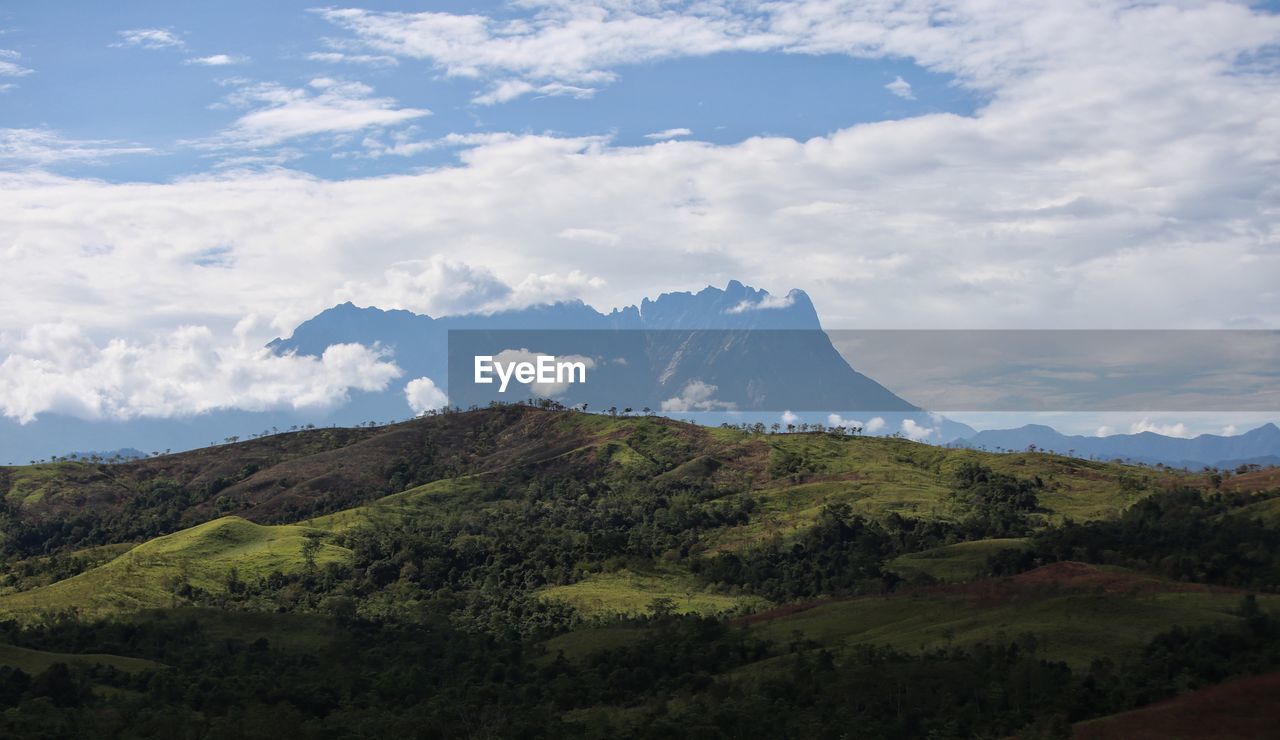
772, 355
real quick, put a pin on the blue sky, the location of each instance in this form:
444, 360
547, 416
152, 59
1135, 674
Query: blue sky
92, 84
184, 182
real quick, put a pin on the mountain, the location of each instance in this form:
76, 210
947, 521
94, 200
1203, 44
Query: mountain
737, 349
1257, 446
760, 351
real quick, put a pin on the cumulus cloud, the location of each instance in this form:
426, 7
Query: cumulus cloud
325, 106
836, 420
56, 368
441, 286
901, 88
914, 430
1123, 164
1177, 429
872, 426
217, 60
696, 396
423, 395
150, 38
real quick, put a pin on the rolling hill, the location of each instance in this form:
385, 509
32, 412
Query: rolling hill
580, 541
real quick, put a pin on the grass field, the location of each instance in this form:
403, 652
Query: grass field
147, 575
951, 563
877, 476
36, 661
630, 593
1075, 612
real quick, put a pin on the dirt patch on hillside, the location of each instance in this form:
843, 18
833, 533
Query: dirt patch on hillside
1070, 576
1044, 582
1243, 708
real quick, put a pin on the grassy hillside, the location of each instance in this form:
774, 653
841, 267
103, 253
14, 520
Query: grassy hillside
956, 563
36, 661
155, 573
482, 464
535, 572
1074, 612
629, 593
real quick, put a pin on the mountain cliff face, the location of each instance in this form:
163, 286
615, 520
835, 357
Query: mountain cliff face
758, 351
1261, 445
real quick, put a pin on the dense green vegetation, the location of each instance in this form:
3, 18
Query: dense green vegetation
1182, 534
531, 572
676, 680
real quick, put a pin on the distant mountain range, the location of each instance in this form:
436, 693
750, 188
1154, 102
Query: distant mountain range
1260, 446
750, 352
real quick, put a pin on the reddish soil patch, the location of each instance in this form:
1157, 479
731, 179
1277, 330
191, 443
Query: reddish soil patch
1267, 479
1243, 708
1043, 582
1069, 576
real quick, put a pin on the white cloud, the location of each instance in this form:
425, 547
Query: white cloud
591, 236
9, 66
872, 426
324, 106
765, 303
1123, 164
437, 286
337, 57
56, 368
573, 44
1168, 430
45, 147
916, 431
696, 396
217, 60
1104, 431
505, 90
584, 43
901, 88
1229, 430
423, 395
150, 38
671, 133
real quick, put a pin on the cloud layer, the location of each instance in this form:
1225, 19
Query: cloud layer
56, 368
1123, 166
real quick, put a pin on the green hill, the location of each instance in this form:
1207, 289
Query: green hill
153, 574
546, 572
